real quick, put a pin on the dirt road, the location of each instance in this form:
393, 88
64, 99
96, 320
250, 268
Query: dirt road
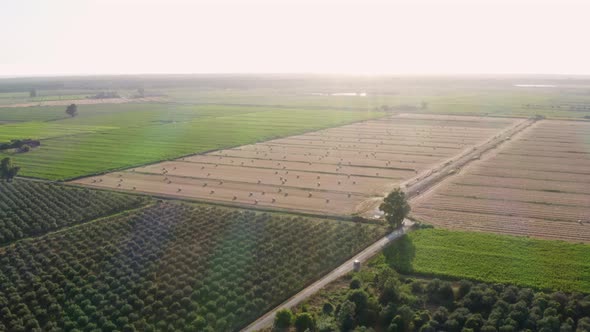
346, 267
437, 175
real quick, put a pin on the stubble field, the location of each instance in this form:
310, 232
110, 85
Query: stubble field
536, 185
337, 171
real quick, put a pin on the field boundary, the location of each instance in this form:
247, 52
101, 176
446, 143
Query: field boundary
204, 152
168, 197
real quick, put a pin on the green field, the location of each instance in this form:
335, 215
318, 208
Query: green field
493, 258
169, 267
125, 115
109, 137
507, 101
45, 130
43, 95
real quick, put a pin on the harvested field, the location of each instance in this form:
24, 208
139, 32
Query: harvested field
537, 185
332, 171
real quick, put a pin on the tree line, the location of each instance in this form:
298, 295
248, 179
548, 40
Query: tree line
378, 299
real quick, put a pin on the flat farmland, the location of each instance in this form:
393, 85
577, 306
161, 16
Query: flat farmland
537, 184
117, 136
339, 171
85, 101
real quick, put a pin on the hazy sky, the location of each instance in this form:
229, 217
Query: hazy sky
43, 37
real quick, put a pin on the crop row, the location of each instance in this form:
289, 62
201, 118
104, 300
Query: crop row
169, 267
30, 208
541, 264
513, 225
508, 207
84, 154
517, 195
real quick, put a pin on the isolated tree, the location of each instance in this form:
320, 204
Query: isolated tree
33, 93
141, 92
72, 110
396, 208
7, 170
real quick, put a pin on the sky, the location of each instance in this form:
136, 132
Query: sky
69, 37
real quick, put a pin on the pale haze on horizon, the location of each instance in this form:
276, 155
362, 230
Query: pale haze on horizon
69, 37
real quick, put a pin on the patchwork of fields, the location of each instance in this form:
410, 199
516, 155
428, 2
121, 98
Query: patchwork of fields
335, 171
76, 258
128, 135
536, 185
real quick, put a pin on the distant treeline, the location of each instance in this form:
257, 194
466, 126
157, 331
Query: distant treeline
569, 107
375, 85
105, 95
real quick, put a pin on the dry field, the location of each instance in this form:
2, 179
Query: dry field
336, 171
538, 184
